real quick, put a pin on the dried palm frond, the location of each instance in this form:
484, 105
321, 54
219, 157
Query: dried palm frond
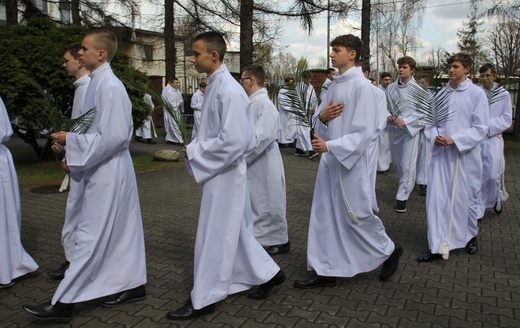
435, 109
495, 94
394, 103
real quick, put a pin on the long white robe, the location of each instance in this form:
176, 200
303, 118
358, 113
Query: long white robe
145, 130
174, 97
73, 207
288, 121
337, 246
303, 129
424, 158
384, 158
108, 255
228, 258
324, 87
80, 92
166, 116
14, 260
374, 145
265, 174
492, 152
404, 140
196, 104
455, 171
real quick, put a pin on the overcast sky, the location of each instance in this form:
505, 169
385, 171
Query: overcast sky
441, 21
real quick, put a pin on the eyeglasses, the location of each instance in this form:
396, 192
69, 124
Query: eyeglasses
245, 78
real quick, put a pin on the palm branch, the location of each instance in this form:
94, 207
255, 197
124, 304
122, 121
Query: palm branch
51, 117
176, 115
435, 109
297, 99
394, 103
495, 94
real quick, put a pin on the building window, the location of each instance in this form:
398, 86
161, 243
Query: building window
147, 52
64, 6
41, 5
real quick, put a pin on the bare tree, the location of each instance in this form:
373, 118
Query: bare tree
11, 11
399, 20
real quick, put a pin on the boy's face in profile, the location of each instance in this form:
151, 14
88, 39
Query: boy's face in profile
405, 71
202, 59
457, 72
341, 56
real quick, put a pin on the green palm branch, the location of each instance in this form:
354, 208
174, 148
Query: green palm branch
51, 117
176, 115
297, 98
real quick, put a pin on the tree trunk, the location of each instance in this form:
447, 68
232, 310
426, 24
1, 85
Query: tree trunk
11, 12
246, 32
74, 8
516, 124
365, 29
170, 55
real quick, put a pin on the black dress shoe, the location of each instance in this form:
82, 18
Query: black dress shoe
130, 295
391, 264
278, 249
472, 246
46, 311
59, 273
187, 312
263, 290
422, 190
428, 256
315, 281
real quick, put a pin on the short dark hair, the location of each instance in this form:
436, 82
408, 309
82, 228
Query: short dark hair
365, 65
486, 67
104, 40
306, 75
288, 79
331, 70
407, 60
349, 41
257, 71
173, 79
463, 58
385, 74
73, 49
214, 42
202, 85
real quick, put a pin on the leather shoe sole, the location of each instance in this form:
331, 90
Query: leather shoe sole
46, 311
187, 312
278, 249
131, 295
264, 289
315, 282
472, 246
60, 273
392, 263
428, 256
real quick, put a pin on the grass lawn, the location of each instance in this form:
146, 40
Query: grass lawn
33, 173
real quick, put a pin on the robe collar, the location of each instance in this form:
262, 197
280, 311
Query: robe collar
218, 71
98, 71
351, 74
82, 81
463, 86
257, 95
401, 85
